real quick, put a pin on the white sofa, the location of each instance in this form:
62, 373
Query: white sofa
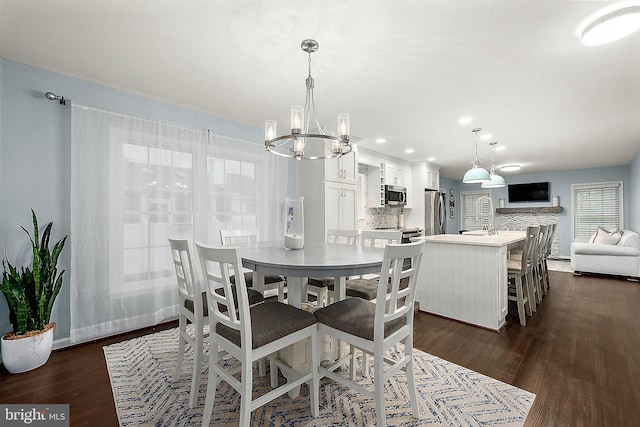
621, 258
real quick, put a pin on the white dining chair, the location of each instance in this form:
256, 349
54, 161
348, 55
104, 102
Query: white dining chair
322, 287
376, 328
230, 237
249, 334
367, 288
193, 309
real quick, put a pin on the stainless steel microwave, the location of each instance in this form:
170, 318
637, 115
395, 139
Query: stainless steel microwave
395, 195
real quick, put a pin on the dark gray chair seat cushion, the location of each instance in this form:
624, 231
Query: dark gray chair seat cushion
255, 297
355, 316
268, 279
321, 282
188, 304
270, 321
362, 288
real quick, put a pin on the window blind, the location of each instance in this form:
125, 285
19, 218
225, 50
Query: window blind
468, 220
595, 205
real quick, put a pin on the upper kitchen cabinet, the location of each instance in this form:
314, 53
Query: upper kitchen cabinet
343, 169
394, 174
432, 176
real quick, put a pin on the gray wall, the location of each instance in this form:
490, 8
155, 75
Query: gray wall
634, 193
35, 156
451, 224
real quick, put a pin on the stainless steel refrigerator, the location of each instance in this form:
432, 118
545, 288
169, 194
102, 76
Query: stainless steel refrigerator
434, 212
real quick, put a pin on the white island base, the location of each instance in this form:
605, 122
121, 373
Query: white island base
464, 277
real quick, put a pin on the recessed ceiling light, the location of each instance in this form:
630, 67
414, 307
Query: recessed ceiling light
486, 136
612, 26
430, 159
409, 150
381, 140
501, 148
465, 120
510, 168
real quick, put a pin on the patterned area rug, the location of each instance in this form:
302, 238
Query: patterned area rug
141, 373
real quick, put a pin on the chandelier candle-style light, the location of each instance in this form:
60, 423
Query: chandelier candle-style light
496, 180
476, 174
293, 145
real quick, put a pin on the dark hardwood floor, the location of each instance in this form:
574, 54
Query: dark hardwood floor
580, 354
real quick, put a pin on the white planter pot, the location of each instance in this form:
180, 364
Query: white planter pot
25, 354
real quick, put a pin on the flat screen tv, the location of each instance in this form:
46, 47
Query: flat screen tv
531, 192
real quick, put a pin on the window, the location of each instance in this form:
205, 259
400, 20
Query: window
470, 219
594, 205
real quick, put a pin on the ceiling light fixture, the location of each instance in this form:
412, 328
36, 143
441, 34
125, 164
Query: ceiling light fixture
476, 174
294, 144
612, 26
496, 180
510, 168
381, 141
465, 120
409, 150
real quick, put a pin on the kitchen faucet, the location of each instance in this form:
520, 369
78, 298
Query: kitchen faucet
491, 228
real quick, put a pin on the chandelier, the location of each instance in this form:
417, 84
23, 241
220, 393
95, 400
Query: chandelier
293, 145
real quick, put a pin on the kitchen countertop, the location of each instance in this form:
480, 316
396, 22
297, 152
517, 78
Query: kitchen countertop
503, 238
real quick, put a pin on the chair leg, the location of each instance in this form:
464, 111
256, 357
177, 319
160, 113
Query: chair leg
281, 292
314, 384
211, 387
531, 291
378, 381
352, 365
181, 344
273, 371
197, 367
408, 351
520, 301
246, 384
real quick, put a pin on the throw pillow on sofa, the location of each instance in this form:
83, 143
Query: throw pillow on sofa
606, 237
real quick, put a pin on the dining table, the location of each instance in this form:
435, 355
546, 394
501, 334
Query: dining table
314, 260
319, 259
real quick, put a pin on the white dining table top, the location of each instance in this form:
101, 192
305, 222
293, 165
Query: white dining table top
314, 260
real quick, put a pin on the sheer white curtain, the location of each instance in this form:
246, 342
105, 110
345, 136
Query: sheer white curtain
134, 183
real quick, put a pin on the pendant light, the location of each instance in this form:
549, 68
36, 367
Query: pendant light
476, 174
496, 181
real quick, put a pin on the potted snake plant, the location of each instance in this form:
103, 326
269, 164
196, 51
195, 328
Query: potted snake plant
30, 294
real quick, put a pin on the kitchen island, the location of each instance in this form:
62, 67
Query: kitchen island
464, 276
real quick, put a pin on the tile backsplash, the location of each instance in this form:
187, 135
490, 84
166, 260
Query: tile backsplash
386, 217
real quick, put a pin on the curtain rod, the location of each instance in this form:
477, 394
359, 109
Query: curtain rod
63, 101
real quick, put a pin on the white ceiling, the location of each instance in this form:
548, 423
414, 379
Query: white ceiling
406, 70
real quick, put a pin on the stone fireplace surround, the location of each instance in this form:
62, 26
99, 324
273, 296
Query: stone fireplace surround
520, 218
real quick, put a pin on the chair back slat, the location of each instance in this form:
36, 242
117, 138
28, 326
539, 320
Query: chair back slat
186, 271
230, 237
379, 238
218, 265
529, 248
398, 299
345, 237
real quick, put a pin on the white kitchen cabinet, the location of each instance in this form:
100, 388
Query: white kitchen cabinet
432, 177
407, 183
327, 203
394, 174
340, 206
343, 169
